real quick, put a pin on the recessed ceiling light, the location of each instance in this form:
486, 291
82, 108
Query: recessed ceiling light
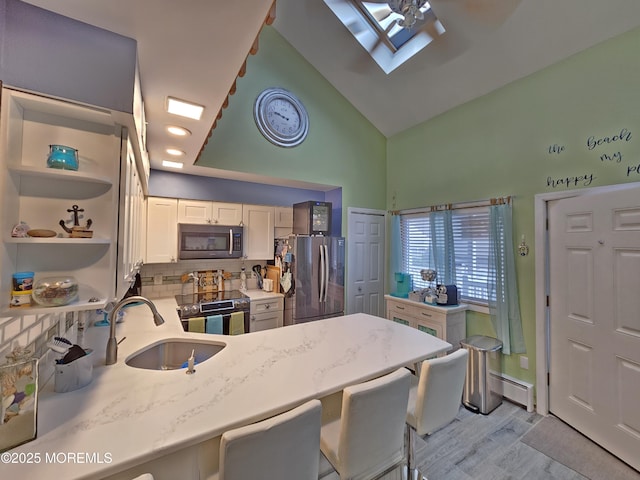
178, 131
167, 163
175, 152
184, 109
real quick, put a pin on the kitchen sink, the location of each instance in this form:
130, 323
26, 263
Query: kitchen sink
172, 354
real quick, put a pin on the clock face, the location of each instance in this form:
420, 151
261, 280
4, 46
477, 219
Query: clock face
281, 117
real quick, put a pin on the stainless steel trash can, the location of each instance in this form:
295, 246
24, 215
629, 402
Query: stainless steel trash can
482, 393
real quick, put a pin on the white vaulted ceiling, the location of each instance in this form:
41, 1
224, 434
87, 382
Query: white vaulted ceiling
186, 50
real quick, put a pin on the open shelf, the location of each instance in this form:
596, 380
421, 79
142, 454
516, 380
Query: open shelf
86, 293
53, 173
58, 240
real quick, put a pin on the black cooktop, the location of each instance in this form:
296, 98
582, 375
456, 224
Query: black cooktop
208, 297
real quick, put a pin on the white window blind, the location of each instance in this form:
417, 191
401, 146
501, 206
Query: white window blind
471, 250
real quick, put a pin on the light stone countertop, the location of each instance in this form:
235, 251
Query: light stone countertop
255, 294
137, 415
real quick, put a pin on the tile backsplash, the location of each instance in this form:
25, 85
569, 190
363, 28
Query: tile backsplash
34, 331
165, 279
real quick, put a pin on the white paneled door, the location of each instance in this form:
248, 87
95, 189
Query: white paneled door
365, 250
594, 318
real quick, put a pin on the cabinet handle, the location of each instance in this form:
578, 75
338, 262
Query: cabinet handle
426, 314
399, 307
267, 306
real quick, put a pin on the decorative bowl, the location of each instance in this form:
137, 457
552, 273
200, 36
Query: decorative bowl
55, 291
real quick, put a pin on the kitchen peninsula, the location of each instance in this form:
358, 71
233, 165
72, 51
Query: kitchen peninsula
130, 417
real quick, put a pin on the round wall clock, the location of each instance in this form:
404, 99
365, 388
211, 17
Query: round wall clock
281, 117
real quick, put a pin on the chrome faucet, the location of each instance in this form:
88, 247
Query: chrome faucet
112, 344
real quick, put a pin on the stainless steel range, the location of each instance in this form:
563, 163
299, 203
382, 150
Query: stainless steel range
213, 303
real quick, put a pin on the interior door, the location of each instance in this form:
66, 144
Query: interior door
366, 249
594, 316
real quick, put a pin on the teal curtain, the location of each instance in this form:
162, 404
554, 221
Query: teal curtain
395, 257
504, 304
442, 251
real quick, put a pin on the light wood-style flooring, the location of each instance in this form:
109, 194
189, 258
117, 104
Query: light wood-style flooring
484, 447
487, 447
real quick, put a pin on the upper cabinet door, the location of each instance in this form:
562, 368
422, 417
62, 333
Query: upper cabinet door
194, 211
162, 230
226, 213
258, 232
284, 217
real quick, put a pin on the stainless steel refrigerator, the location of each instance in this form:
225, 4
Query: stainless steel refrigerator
317, 273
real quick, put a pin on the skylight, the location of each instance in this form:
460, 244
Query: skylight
384, 33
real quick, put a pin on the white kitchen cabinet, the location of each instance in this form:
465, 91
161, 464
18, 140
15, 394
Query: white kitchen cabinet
283, 221
226, 213
283, 217
447, 323
131, 242
205, 212
162, 230
266, 313
258, 221
42, 197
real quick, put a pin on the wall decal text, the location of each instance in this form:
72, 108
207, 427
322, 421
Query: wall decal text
616, 157
623, 136
567, 182
633, 169
555, 148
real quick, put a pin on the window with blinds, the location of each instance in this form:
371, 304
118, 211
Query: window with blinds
470, 250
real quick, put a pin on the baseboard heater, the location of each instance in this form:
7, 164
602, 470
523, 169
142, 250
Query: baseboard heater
515, 390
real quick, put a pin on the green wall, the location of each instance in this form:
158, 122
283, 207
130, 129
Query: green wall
499, 144
342, 149
502, 144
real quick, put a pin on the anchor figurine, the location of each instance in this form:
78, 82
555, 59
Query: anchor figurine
77, 231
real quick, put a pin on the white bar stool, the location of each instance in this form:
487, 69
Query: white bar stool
435, 397
284, 447
367, 439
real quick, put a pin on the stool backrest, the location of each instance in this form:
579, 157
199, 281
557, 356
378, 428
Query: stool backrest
372, 425
284, 447
440, 391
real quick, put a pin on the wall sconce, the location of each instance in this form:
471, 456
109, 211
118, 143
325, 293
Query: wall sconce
523, 248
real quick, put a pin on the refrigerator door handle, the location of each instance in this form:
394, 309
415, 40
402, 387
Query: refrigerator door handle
326, 267
322, 271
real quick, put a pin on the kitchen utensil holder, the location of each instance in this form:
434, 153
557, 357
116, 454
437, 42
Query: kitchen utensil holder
72, 376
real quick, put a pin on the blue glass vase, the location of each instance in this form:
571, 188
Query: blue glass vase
62, 157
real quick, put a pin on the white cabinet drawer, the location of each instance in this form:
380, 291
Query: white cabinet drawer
431, 316
267, 305
402, 309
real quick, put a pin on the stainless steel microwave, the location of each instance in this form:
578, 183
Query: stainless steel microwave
209, 241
